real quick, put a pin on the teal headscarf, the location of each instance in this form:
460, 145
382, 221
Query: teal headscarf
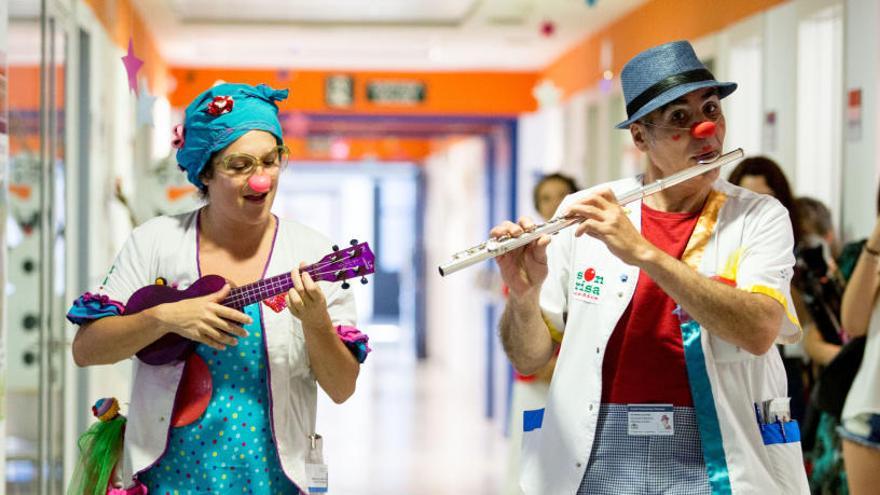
219, 116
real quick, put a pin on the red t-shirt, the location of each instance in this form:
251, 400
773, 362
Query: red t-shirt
644, 361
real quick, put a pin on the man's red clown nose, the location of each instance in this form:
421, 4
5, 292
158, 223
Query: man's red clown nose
703, 130
259, 183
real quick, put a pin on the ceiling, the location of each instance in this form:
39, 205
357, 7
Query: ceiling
411, 35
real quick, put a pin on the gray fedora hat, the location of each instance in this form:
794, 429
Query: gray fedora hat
663, 74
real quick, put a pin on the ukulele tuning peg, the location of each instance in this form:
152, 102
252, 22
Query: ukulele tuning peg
345, 285
353, 242
335, 247
364, 280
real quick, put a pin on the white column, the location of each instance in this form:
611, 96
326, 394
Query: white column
780, 86
860, 160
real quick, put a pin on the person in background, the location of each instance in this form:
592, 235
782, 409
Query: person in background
529, 392
817, 228
817, 252
860, 421
550, 191
820, 283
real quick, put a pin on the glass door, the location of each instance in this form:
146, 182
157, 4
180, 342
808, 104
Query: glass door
35, 248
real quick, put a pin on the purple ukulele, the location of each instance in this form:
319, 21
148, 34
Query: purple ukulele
338, 266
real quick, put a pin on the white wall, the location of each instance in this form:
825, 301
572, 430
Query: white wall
575, 146
780, 86
860, 160
542, 142
819, 96
577, 138
531, 152
456, 218
740, 57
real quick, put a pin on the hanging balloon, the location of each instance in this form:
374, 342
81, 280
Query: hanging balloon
194, 392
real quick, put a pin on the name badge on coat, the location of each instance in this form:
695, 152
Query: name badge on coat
650, 419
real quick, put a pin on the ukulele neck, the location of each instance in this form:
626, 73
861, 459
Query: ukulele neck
260, 290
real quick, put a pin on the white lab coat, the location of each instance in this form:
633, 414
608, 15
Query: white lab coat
740, 235
167, 247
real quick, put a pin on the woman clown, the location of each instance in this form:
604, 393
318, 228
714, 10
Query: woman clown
238, 414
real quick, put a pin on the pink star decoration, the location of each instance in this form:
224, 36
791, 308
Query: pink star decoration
132, 66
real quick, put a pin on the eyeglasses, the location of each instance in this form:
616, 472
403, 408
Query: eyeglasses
244, 164
682, 118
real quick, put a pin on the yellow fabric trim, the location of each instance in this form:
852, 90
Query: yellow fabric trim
693, 253
731, 268
555, 334
775, 294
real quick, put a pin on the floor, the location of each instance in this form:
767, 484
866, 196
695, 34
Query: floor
410, 430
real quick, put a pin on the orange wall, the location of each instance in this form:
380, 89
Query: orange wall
447, 93
23, 86
653, 23
505, 93
122, 22
23, 89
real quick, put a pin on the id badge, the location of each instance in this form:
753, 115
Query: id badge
316, 471
316, 474
650, 419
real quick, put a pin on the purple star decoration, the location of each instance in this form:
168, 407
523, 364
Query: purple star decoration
132, 66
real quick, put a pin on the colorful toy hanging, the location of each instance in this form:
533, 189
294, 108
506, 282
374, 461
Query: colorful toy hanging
100, 448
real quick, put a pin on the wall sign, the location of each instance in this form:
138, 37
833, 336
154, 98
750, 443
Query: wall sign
396, 92
339, 91
854, 114
770, 131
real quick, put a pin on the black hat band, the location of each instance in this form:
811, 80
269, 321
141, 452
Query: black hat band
666, 84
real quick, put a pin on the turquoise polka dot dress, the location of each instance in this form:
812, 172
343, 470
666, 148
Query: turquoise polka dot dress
230, 448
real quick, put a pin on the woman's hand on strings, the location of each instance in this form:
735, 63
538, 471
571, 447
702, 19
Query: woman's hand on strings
203, 319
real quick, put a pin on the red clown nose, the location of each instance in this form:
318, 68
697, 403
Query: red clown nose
259, 183
703, 130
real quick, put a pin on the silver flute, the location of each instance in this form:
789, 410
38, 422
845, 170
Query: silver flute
500, 245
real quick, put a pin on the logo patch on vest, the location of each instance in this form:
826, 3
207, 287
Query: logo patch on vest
589, 285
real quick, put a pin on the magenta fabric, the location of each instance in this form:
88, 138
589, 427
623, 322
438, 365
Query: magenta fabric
356, 341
